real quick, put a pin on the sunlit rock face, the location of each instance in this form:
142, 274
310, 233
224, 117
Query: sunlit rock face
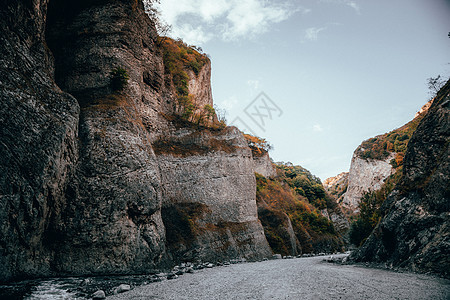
365, 175
414, 232
263, 165
209, 196
337, 185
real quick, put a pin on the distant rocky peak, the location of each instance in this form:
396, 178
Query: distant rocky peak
336, 180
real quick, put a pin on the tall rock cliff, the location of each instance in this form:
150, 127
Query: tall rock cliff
208, 187
375, 160
414, 231
38, 145
95, 178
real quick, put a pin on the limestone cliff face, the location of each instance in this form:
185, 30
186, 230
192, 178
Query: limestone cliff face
114, 198
337, 186
200, 85
209, 188
376, 159
82, 190
414, 230
337, 217
263, 165
365, 174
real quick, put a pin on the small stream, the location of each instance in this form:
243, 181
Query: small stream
68, 288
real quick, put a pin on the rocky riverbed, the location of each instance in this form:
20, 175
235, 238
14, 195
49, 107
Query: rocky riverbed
303, 278
318, 277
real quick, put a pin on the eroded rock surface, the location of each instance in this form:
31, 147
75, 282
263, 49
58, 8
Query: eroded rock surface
209, 190
263, 165
38, 129
337, 186
365, 175
82, 190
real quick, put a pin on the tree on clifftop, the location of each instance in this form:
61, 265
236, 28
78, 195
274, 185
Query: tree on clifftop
162, 28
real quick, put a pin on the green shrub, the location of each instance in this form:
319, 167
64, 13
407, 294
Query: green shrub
119, 78
370, 209
359, 231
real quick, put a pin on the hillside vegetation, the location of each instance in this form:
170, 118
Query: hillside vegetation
289, 208
396, 141
180, 62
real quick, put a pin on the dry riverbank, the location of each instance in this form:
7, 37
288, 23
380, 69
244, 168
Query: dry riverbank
302, 278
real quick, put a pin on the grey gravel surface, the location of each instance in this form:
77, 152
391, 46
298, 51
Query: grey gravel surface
301, 278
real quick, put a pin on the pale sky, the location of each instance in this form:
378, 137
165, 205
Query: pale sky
333, 72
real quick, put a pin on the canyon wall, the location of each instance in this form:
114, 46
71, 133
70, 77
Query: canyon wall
94, 177
38, 146
375, 160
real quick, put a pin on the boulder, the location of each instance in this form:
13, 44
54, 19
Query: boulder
99, 295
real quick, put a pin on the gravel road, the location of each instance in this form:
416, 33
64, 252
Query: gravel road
301, 278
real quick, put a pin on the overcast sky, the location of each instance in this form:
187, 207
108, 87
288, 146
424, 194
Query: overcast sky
333, 72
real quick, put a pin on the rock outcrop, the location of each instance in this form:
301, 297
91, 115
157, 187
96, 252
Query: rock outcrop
209, 196
93, 178
38, 145
414, 231
200, 85
263, 165
338, 218
365, 175
337, 186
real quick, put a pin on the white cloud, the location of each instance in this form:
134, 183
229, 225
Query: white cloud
317, 128
192, 35
355, 6
252, 17
229, 20
312, 33
210, 10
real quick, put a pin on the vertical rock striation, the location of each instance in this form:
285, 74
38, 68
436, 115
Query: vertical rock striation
112, 222
210, 185
38, 129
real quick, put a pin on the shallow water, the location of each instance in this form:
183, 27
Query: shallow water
53, 289
67, 288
